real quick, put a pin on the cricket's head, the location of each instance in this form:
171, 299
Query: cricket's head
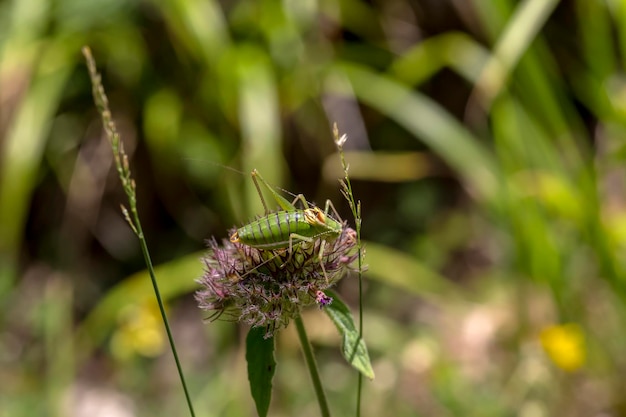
316, 217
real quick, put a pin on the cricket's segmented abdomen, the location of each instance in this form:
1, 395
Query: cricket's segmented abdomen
273, 231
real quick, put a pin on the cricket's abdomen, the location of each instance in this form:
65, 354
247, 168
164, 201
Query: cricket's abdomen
273, 231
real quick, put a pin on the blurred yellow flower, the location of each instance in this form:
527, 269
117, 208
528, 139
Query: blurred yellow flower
140, 332
565, 345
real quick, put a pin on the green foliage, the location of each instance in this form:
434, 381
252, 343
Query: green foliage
353, 346
261, 368
510, 116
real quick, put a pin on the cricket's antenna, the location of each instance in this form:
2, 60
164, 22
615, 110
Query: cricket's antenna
217, 164
255, 174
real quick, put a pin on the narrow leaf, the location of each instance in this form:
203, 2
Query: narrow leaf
261, 367
353, 347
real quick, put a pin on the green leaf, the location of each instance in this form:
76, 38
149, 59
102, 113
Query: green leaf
261, 367
352, 345
407, 273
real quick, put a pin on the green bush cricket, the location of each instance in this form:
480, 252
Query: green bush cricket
289, 226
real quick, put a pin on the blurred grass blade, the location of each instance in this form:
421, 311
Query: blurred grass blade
619, 14
261, 368
407, 273
537, 85
57, 326
453, 50
260, 121
521, 141
430, 123
199, 25
519, 33
597, 84
390, 166
597, 38
24, 148
353, 347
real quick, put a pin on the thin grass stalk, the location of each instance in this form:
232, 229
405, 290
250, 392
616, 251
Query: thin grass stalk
355, 207
312, 366
123, 170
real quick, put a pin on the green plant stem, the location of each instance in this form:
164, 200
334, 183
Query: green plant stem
310, 362
123, 169
355, 207
157, 293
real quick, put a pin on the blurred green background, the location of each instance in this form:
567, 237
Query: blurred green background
486, 142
